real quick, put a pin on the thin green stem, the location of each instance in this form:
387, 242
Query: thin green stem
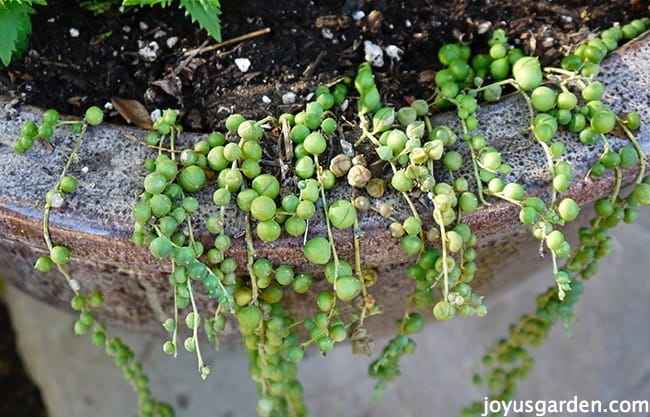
72, 283
638, 149
330, 235
204, 370
507, 81
357, 268
437, 216
175, 332
250, 255
328, 225
172, 137
479, 182
617, 185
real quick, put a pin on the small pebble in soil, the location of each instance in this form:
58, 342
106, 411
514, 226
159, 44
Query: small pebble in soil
373, 54
159, 34
126, 29
108, 105
266, 100
375, 19
408, 23
288, 98
10, 109
74, 32
143, 26
243, 64
148, 51
426, 77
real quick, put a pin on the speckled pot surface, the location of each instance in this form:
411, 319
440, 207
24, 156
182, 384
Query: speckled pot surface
95, 222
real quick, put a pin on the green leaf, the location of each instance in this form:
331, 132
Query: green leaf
206, 13
98, 7
15, 27
4, 3
162, 3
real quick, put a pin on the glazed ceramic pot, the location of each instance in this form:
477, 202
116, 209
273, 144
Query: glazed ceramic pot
95, 223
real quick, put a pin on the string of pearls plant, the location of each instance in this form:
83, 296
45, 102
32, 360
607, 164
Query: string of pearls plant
84, 300
278, 173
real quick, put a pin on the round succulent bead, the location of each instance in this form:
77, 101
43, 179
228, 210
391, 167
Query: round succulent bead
94, 116
60, 255
527, 72
342, 214
43, 264
192, 178
340, 165
317, 250
268, 230
358, 176
263, 208
347, 287
443, 311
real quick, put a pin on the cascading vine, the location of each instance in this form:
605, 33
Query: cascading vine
278, 175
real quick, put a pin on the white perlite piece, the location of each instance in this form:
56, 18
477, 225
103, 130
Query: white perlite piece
56, 199
288, 98
327, 33
358, 15
394, 52
171, 41
74, 32
373, 54
243, 64
155, 115
347, 148
483, 27
148, 51
266, 100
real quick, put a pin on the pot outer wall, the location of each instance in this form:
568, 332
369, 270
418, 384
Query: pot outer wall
95, 222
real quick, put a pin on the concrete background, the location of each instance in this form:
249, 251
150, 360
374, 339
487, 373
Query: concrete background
608, 358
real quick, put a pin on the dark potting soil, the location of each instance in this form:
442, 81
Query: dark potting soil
75, 59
